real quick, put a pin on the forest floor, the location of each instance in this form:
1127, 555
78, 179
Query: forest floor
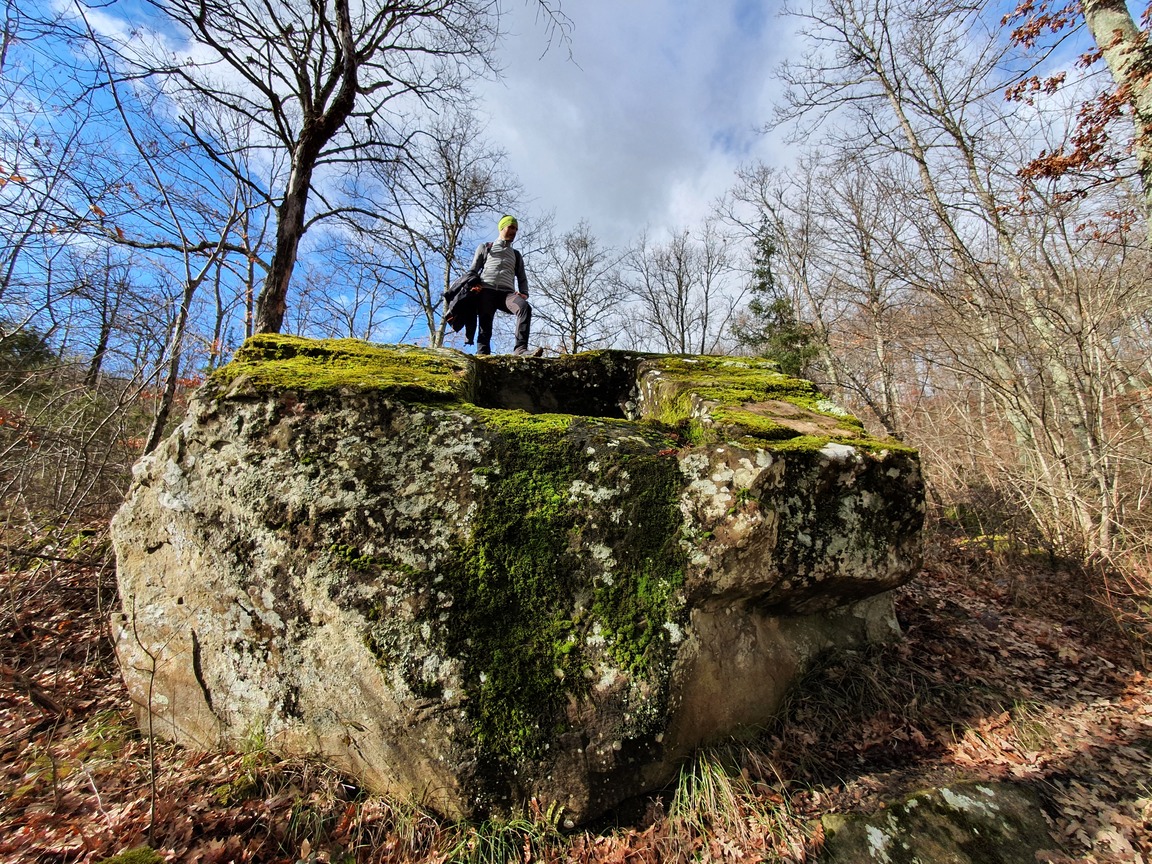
1003, 672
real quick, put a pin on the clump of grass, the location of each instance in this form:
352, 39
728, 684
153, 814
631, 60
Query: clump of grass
376, 829
708, 798
1029, 725
382, 830
730, 797
530, 837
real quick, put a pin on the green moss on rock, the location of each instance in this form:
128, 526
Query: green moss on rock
706, 399
965, 823
525, 608
352, 557
712, 399
139, 855
531, 621
271, 362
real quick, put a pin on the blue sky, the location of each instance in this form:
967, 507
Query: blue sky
644, 126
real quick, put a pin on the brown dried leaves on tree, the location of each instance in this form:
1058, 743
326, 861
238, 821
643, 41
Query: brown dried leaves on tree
1096, 148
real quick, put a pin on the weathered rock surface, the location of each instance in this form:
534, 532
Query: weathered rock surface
966, 823
475, 581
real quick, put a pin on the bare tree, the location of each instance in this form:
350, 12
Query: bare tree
87, 250
414, 215
104, 284
347, 297
51, 141
577, 296
866, 224
998, 259
784, 208
834, 225
196, 256
1125, 49
318, 82
681, 291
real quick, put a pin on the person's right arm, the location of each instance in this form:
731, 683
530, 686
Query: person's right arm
478, 265
477, 261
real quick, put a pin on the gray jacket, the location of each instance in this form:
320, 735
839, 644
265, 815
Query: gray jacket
500, 266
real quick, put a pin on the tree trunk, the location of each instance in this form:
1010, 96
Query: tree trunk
316, 132
175, 348
273, 300
92, 376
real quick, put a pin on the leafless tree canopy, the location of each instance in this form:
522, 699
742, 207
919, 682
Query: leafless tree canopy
926, 257
681, 291
579, 295
317, 85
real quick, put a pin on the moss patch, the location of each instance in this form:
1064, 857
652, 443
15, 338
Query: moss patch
528, 606
745, 397
523, 606
731, 386
352, 557
139, 855
810, 443
271, 362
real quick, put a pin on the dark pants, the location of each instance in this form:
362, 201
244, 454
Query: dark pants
491, 300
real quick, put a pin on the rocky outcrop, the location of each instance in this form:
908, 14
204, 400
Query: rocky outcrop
477, 581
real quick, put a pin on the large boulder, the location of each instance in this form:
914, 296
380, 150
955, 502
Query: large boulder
477, 581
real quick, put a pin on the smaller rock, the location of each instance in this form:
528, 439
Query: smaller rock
965, 823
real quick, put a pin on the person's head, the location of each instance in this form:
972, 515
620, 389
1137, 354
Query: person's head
507, 228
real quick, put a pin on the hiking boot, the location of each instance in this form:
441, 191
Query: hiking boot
524, 352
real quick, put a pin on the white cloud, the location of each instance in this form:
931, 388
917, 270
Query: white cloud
642, 128
645, 125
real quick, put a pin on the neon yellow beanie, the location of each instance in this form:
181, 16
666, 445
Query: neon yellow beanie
507, 220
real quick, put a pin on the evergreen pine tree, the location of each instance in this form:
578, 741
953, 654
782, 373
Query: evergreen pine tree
771, 327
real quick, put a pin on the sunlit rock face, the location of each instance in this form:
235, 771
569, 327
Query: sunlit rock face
472, 582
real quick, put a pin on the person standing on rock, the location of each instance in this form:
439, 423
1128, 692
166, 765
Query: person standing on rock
503, 285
